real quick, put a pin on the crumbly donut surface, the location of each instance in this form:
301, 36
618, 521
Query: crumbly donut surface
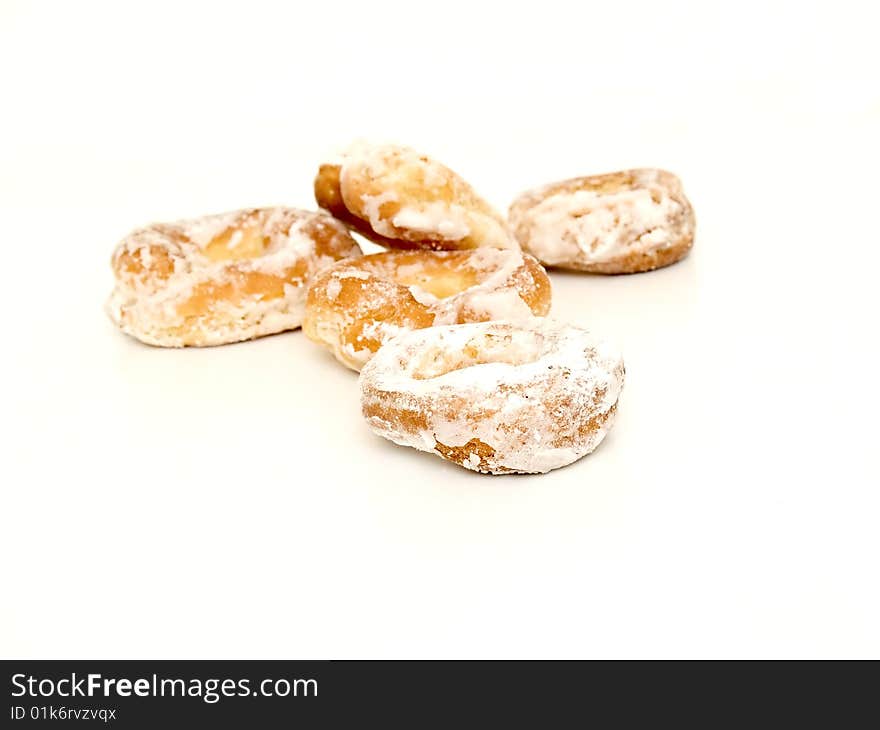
222, 278
618, 223
495, 397
400, 199
355, 306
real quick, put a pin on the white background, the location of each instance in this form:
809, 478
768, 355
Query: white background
230, 502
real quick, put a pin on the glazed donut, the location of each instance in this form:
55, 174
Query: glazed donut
619, 223
222, 278
400, 199
495, 397
355, 306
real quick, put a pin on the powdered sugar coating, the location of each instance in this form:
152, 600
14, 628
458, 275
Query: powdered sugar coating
222, 278
495, 397
355, 306
621, 222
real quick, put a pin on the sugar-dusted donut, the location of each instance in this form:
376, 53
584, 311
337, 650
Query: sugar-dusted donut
222, 278
495, 397
354, 306
619, 223
400, 199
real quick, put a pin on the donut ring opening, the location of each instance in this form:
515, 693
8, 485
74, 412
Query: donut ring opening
517, 347
436, 279
427, 275
237, 244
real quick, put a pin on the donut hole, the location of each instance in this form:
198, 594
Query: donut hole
439, 281
233, 244
516, 347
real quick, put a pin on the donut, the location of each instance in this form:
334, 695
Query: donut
495, 397
398, 198
356, 305
222, 278
618, 223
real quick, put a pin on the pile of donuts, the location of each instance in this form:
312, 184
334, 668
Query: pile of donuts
448, 326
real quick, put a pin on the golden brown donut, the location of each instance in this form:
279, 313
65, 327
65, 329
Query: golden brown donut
619, 223
400, 199
495, 397
355, 306
222, 278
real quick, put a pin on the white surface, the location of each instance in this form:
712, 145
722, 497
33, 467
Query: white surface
231, 503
